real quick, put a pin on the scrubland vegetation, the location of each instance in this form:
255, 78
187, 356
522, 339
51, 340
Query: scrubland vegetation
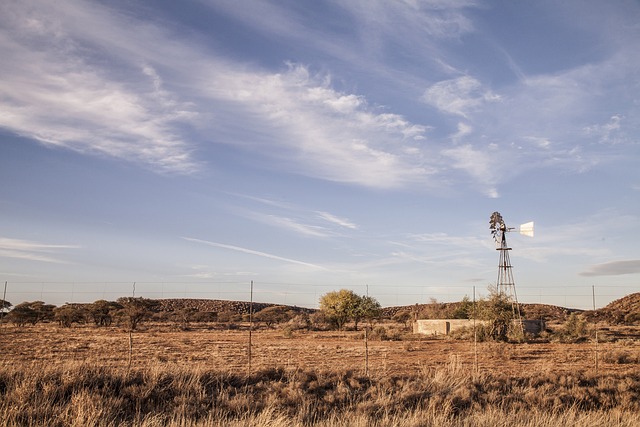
127, 363
80, 395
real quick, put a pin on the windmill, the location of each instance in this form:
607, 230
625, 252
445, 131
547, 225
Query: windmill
505, 284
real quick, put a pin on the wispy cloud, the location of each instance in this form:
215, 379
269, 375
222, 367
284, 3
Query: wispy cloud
325, 133
32, 251
613, 268
55, 91
293, 225
252, 252
479, 164
88, 78
459, 96
336, 220
296, 219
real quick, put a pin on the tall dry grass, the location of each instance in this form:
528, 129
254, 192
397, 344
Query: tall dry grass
169, 395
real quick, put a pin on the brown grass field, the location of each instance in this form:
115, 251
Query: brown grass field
53, 376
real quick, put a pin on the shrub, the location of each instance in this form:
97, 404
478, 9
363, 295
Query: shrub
575, 328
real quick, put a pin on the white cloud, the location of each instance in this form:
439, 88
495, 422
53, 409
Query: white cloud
55, 91
295, 218
608, 133
458, 96
295, 226
478, 164
30, 250
336, 220
349, 143
252, 252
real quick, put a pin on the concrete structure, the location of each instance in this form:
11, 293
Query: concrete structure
443, 326
446, 326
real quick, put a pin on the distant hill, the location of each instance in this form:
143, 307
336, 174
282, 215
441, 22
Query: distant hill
217, 306
444, 310
623, 310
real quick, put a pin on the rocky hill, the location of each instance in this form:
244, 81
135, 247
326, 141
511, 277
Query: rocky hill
216, 306
625, 310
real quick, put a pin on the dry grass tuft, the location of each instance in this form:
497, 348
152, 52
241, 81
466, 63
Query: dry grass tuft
81, 395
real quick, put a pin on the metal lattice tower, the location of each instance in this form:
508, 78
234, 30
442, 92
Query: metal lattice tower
506, 286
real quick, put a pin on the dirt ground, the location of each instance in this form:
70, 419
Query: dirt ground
48, 344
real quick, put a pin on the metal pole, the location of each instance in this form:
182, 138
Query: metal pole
366, 351
593, 295
4, 301
250, 323
475, 334
133, 295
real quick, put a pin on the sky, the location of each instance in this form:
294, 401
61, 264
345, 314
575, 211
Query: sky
186, 149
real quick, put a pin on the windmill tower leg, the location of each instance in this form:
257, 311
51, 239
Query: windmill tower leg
506, 285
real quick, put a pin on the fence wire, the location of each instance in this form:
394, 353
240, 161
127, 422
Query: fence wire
302, 294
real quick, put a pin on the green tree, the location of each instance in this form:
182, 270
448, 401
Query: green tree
368, 309
498, 310
463, 310
575, 328
344, 305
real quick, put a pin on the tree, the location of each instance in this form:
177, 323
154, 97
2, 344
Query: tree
405, 317
69, 314
101, 311
575, 328
367, 309
135, 310
341, 306
463, 310
22, 314
31, 312
274, 314
184, 316
498, 310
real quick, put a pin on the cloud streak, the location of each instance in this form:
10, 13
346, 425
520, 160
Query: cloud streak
253, 252
30, 250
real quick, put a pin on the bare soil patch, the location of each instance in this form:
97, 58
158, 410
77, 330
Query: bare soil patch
48, 344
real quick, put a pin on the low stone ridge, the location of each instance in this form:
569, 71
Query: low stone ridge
531, 311
217, 306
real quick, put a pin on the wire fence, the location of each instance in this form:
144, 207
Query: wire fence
302, 294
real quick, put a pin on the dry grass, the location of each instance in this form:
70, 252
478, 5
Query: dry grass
80, 377
80, 395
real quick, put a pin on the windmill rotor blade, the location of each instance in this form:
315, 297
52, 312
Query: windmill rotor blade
526, 229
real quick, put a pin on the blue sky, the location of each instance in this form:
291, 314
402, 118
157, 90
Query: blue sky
192, 147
